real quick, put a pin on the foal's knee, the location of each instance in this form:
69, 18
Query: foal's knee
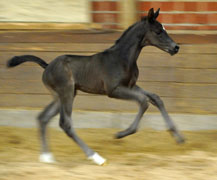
144, 102
66, 127
156, 100
41, 119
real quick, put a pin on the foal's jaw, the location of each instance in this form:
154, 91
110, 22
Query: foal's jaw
172, 51
164, 42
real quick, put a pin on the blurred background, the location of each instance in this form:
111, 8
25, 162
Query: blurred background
47, 28
113, 14
187, 83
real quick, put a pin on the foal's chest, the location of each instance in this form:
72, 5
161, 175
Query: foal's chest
131, 76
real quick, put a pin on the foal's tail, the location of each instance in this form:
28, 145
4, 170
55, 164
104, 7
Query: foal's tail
16, 60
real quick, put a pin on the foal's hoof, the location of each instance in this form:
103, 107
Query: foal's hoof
176, 134
120, 135
46, 158
180, 140
99, 160
124, 133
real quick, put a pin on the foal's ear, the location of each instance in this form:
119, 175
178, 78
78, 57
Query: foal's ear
156, 13
151, 15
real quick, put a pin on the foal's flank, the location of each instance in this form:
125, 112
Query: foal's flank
113, 72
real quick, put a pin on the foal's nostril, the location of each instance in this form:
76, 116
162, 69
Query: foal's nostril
176, 49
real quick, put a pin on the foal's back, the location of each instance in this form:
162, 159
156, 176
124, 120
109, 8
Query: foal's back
84, 72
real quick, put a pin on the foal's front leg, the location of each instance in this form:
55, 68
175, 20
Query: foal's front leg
156, 101
131, 94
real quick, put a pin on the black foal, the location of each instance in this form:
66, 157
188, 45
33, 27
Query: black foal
113, 72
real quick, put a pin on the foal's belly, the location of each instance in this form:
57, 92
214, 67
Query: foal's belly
93, 87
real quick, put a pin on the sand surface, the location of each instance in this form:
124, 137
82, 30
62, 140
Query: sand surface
148, 155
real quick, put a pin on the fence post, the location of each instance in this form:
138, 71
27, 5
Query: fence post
128, 11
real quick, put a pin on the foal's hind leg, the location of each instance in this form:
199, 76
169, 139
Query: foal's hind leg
140, 98
67, 96
156, 101
50, 111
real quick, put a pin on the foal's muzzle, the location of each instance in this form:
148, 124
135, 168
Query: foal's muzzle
174, 50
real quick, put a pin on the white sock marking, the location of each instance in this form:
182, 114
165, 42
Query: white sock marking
96, 158
46, 158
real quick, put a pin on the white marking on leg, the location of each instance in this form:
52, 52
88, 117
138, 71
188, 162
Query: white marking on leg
46, 158
96, 158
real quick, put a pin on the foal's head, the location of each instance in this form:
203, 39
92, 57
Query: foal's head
156, 35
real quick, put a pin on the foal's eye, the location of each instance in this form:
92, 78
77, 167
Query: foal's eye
159, 32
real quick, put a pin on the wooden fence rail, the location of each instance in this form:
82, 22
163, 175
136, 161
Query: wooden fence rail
187, 82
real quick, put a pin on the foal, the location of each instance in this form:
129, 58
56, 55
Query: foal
113, 72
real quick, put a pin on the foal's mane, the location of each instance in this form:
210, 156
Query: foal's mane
127, 32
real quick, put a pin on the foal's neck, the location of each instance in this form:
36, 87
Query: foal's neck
129, 46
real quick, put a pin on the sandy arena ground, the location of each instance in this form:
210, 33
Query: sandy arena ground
148, 155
